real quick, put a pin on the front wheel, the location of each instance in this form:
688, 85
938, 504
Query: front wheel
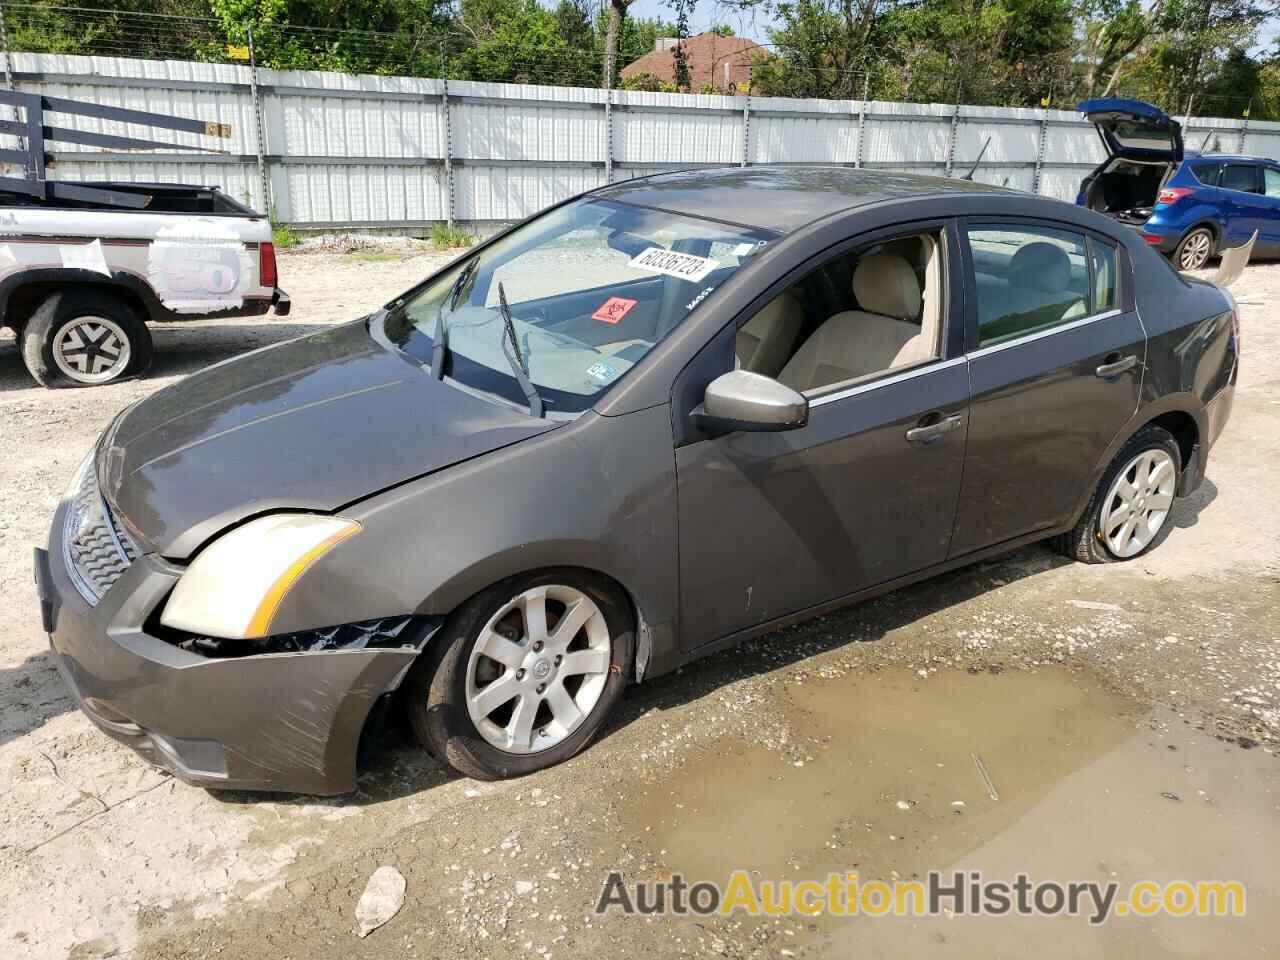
1132, 502
523, 675
1194, 249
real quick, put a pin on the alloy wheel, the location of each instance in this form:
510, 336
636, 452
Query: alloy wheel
538, 668
1138, 503
1195, 250
91, 349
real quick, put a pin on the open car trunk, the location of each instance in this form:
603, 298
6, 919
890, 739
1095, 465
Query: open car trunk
1144, 147
1125, 189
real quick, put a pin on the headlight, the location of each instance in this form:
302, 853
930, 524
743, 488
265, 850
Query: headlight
236, 584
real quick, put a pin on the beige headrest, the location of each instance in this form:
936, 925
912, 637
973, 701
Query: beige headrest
1040, 266
887, 284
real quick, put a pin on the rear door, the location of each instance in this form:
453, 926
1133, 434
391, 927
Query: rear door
1248, 210
1056, 354
1134, 129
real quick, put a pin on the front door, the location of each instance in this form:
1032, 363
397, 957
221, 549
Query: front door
1056, 356
773, 523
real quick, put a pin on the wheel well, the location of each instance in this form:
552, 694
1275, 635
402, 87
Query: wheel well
640, 650
25, 298
1209, 225
1183, 427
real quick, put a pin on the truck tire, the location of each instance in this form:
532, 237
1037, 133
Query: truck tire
83, 338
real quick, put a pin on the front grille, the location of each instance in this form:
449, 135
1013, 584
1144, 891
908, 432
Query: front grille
96, 548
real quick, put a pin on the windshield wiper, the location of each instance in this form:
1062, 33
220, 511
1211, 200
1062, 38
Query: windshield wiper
512, 351
439, 340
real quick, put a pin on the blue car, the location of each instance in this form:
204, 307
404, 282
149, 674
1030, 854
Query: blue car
1186, 204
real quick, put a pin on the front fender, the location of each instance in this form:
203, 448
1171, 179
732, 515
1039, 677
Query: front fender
598, 494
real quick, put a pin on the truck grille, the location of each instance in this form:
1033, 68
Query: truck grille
96, 548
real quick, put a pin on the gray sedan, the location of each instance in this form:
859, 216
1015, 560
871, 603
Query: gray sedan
651, 421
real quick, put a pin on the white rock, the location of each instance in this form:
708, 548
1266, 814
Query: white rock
523, 887
382, 899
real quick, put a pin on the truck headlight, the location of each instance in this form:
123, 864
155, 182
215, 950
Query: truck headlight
235, 585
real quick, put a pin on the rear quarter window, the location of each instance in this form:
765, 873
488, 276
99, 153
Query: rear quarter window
1207, 173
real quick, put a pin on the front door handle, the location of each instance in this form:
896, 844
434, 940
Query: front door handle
928, 432
1116, 367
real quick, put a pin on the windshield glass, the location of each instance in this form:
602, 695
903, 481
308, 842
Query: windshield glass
592, 286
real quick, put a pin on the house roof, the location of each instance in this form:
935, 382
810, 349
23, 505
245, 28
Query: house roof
720, 62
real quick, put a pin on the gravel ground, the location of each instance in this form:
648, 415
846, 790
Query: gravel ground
102, 856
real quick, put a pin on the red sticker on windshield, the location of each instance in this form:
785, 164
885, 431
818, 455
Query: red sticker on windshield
613, 310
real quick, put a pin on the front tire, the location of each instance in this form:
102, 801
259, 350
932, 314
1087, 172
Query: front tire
523, 676
1195, 249
82, 338
1131, 504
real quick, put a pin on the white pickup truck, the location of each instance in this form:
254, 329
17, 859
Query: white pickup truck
79, 280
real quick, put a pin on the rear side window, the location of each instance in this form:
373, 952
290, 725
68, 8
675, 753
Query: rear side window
1207, 173
1029, 279
1241, 176
1271, 182
1102, 265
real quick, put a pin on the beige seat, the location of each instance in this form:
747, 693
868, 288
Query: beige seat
887, 332
1038, 290
767, 339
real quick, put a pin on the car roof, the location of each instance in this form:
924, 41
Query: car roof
781, 199
1192, 155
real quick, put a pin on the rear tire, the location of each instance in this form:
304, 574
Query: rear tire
444, 689
1195, 249
83, 338
1096, 538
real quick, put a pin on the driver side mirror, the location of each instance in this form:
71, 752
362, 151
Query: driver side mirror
741, 400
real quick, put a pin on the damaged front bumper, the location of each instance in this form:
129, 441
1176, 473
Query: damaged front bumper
271, 721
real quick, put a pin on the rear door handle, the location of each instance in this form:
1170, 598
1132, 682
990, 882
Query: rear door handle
1117, 367
929, 432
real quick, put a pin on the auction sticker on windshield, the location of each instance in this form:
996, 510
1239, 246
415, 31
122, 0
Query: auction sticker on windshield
613, 309
685, 266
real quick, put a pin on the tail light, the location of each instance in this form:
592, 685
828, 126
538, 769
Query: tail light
267, 264
1173, 194
1152, 239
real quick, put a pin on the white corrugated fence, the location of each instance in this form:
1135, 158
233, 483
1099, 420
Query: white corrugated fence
349, 151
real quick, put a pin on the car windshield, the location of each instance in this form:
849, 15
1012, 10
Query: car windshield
592, 286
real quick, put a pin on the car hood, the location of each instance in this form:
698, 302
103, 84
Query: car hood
310, 424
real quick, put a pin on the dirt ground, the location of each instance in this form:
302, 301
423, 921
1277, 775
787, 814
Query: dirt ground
1126, 717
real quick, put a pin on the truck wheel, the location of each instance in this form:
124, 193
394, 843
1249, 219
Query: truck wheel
79, 338
1194, 250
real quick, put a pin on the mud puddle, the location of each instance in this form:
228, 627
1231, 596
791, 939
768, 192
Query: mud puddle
1046, 773
889, 772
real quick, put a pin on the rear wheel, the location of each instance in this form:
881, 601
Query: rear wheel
1132, 503
1193, 250
78, 338
524, 675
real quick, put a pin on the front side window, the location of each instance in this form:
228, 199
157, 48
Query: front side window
1028, 279
1271, 182
856, 316
592, 286
1240, 176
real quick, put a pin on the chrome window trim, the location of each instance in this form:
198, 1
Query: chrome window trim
1047, 331
867, 387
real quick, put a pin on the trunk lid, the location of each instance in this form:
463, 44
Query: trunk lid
1135, 129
